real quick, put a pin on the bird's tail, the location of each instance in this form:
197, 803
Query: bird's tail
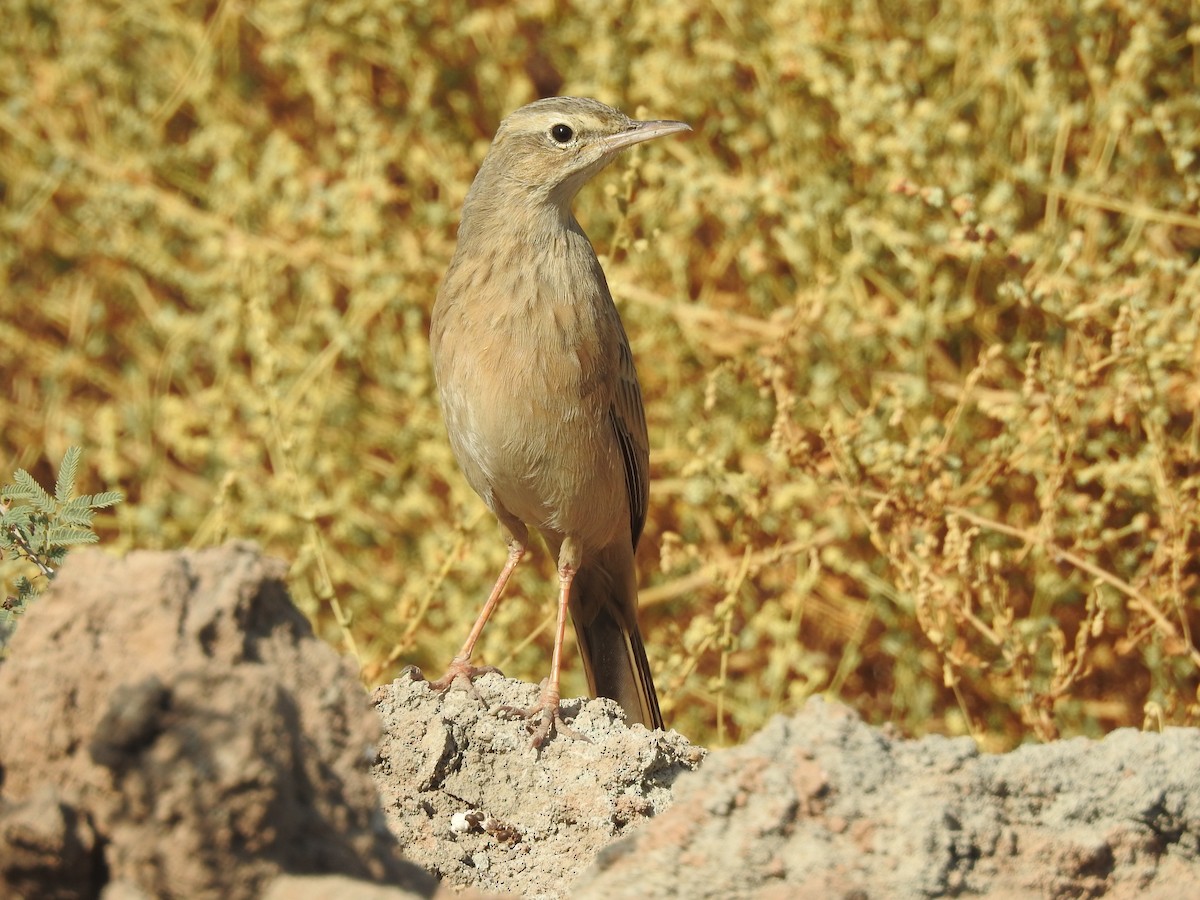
604, 610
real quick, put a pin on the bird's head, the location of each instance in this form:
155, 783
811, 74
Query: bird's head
548, 149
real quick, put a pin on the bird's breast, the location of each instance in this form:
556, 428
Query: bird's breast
527, 384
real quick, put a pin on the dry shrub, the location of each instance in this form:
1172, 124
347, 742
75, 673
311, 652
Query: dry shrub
916, 313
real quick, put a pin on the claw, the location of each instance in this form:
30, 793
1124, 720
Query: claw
459, 676
543, 719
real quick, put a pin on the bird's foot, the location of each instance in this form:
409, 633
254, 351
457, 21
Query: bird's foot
460, 676
543, 718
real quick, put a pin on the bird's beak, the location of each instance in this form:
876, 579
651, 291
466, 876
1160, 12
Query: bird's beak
642, 131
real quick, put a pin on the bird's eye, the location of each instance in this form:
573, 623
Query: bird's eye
561, 133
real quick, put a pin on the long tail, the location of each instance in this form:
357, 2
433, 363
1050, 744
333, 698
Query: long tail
604, 610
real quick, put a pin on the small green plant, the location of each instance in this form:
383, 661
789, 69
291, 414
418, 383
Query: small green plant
39, 529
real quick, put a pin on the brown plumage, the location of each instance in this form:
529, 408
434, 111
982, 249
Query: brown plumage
539, 392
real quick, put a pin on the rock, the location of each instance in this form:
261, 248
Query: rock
822, 805
474, 803
172, 727
169, 726
331, 887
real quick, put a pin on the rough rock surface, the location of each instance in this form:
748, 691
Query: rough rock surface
822, 805
473, 802
171, 727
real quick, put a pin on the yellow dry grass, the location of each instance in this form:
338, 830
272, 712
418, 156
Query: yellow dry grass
916, 310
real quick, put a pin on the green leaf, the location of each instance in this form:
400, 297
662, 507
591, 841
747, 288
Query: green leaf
68, 536
12, 492
32, 492
76, 512
67, 470
105, 499
39, 542
12, 538
17, 517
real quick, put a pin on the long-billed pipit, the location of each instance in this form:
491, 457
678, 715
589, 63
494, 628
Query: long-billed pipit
539, 392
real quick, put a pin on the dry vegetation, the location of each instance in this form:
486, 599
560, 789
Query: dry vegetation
916, 309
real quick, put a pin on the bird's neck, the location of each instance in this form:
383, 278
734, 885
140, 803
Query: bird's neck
504, 203
515, 220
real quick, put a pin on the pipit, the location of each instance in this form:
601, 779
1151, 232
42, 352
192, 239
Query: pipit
540, 396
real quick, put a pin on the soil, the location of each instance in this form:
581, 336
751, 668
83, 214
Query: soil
170, 727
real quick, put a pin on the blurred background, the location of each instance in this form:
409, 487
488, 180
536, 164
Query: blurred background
916, 310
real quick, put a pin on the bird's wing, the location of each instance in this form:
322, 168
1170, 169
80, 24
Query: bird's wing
628, 419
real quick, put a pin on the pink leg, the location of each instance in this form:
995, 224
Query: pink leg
460, 666
545, 715
547, 704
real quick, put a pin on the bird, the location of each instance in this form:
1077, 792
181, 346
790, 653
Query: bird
540, 396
